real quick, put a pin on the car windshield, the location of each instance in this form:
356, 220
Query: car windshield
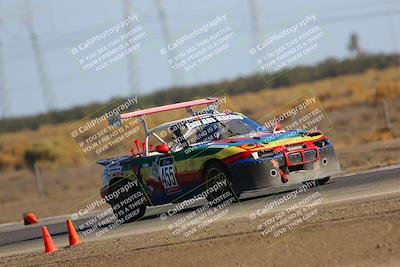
218, 127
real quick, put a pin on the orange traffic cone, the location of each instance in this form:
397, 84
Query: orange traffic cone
72, 234
30, 218
49, 246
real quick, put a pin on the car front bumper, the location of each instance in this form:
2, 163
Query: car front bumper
274, 173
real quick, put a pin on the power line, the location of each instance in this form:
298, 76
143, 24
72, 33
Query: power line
381, 13
58, 42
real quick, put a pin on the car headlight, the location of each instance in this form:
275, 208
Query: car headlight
321, 143
267, 154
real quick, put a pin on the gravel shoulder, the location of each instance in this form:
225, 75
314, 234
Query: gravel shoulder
365, 232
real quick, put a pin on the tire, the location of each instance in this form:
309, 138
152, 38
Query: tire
322, 180
214, 173
123, 206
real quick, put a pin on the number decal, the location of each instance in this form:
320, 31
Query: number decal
167, 176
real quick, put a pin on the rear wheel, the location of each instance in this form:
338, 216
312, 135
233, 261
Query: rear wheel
218, 183
129, 205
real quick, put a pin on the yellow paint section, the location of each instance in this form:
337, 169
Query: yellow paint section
229, 151
290, 141
146, 172
192, 164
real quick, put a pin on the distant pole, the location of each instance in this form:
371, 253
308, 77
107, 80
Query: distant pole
395, 42
167, 37
38, 180
255, 22
133, 77
44, 81
388, 121
4, 97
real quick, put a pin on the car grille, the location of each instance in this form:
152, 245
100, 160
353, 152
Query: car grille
310, 155
295, 158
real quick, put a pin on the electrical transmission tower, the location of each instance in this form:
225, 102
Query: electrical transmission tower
4, 97
133, 76
48, 95
167, 38
354, 45
255, 22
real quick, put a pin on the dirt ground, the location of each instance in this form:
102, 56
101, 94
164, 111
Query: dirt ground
365, 232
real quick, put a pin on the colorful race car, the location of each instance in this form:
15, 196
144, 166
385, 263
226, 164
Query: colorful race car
181, 158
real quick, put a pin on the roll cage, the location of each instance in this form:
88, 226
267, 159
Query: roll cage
211, 103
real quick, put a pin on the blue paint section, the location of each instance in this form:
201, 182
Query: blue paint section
251, 160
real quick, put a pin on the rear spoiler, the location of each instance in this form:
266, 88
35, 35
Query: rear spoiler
116, 121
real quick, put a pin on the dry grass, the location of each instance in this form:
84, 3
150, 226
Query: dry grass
353, 104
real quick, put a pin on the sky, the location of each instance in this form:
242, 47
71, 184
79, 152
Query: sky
61, 26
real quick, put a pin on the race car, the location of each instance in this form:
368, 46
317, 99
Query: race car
181, 158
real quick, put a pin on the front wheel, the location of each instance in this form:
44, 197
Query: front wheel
129, 202
218, 184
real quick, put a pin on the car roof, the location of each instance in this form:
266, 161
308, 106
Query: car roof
188, 119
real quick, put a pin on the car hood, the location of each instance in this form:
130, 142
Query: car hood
269, 138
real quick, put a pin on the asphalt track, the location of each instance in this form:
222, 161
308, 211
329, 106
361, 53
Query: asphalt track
16, 238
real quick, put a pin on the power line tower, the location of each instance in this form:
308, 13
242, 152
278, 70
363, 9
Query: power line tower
255, 22
354, 45
133, 76
394, 36
47, 92
4, 97
167, 38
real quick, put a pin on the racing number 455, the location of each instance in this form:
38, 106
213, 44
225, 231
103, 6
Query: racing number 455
167, 175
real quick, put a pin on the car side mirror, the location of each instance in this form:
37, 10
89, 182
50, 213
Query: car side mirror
277, 127
163, 148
